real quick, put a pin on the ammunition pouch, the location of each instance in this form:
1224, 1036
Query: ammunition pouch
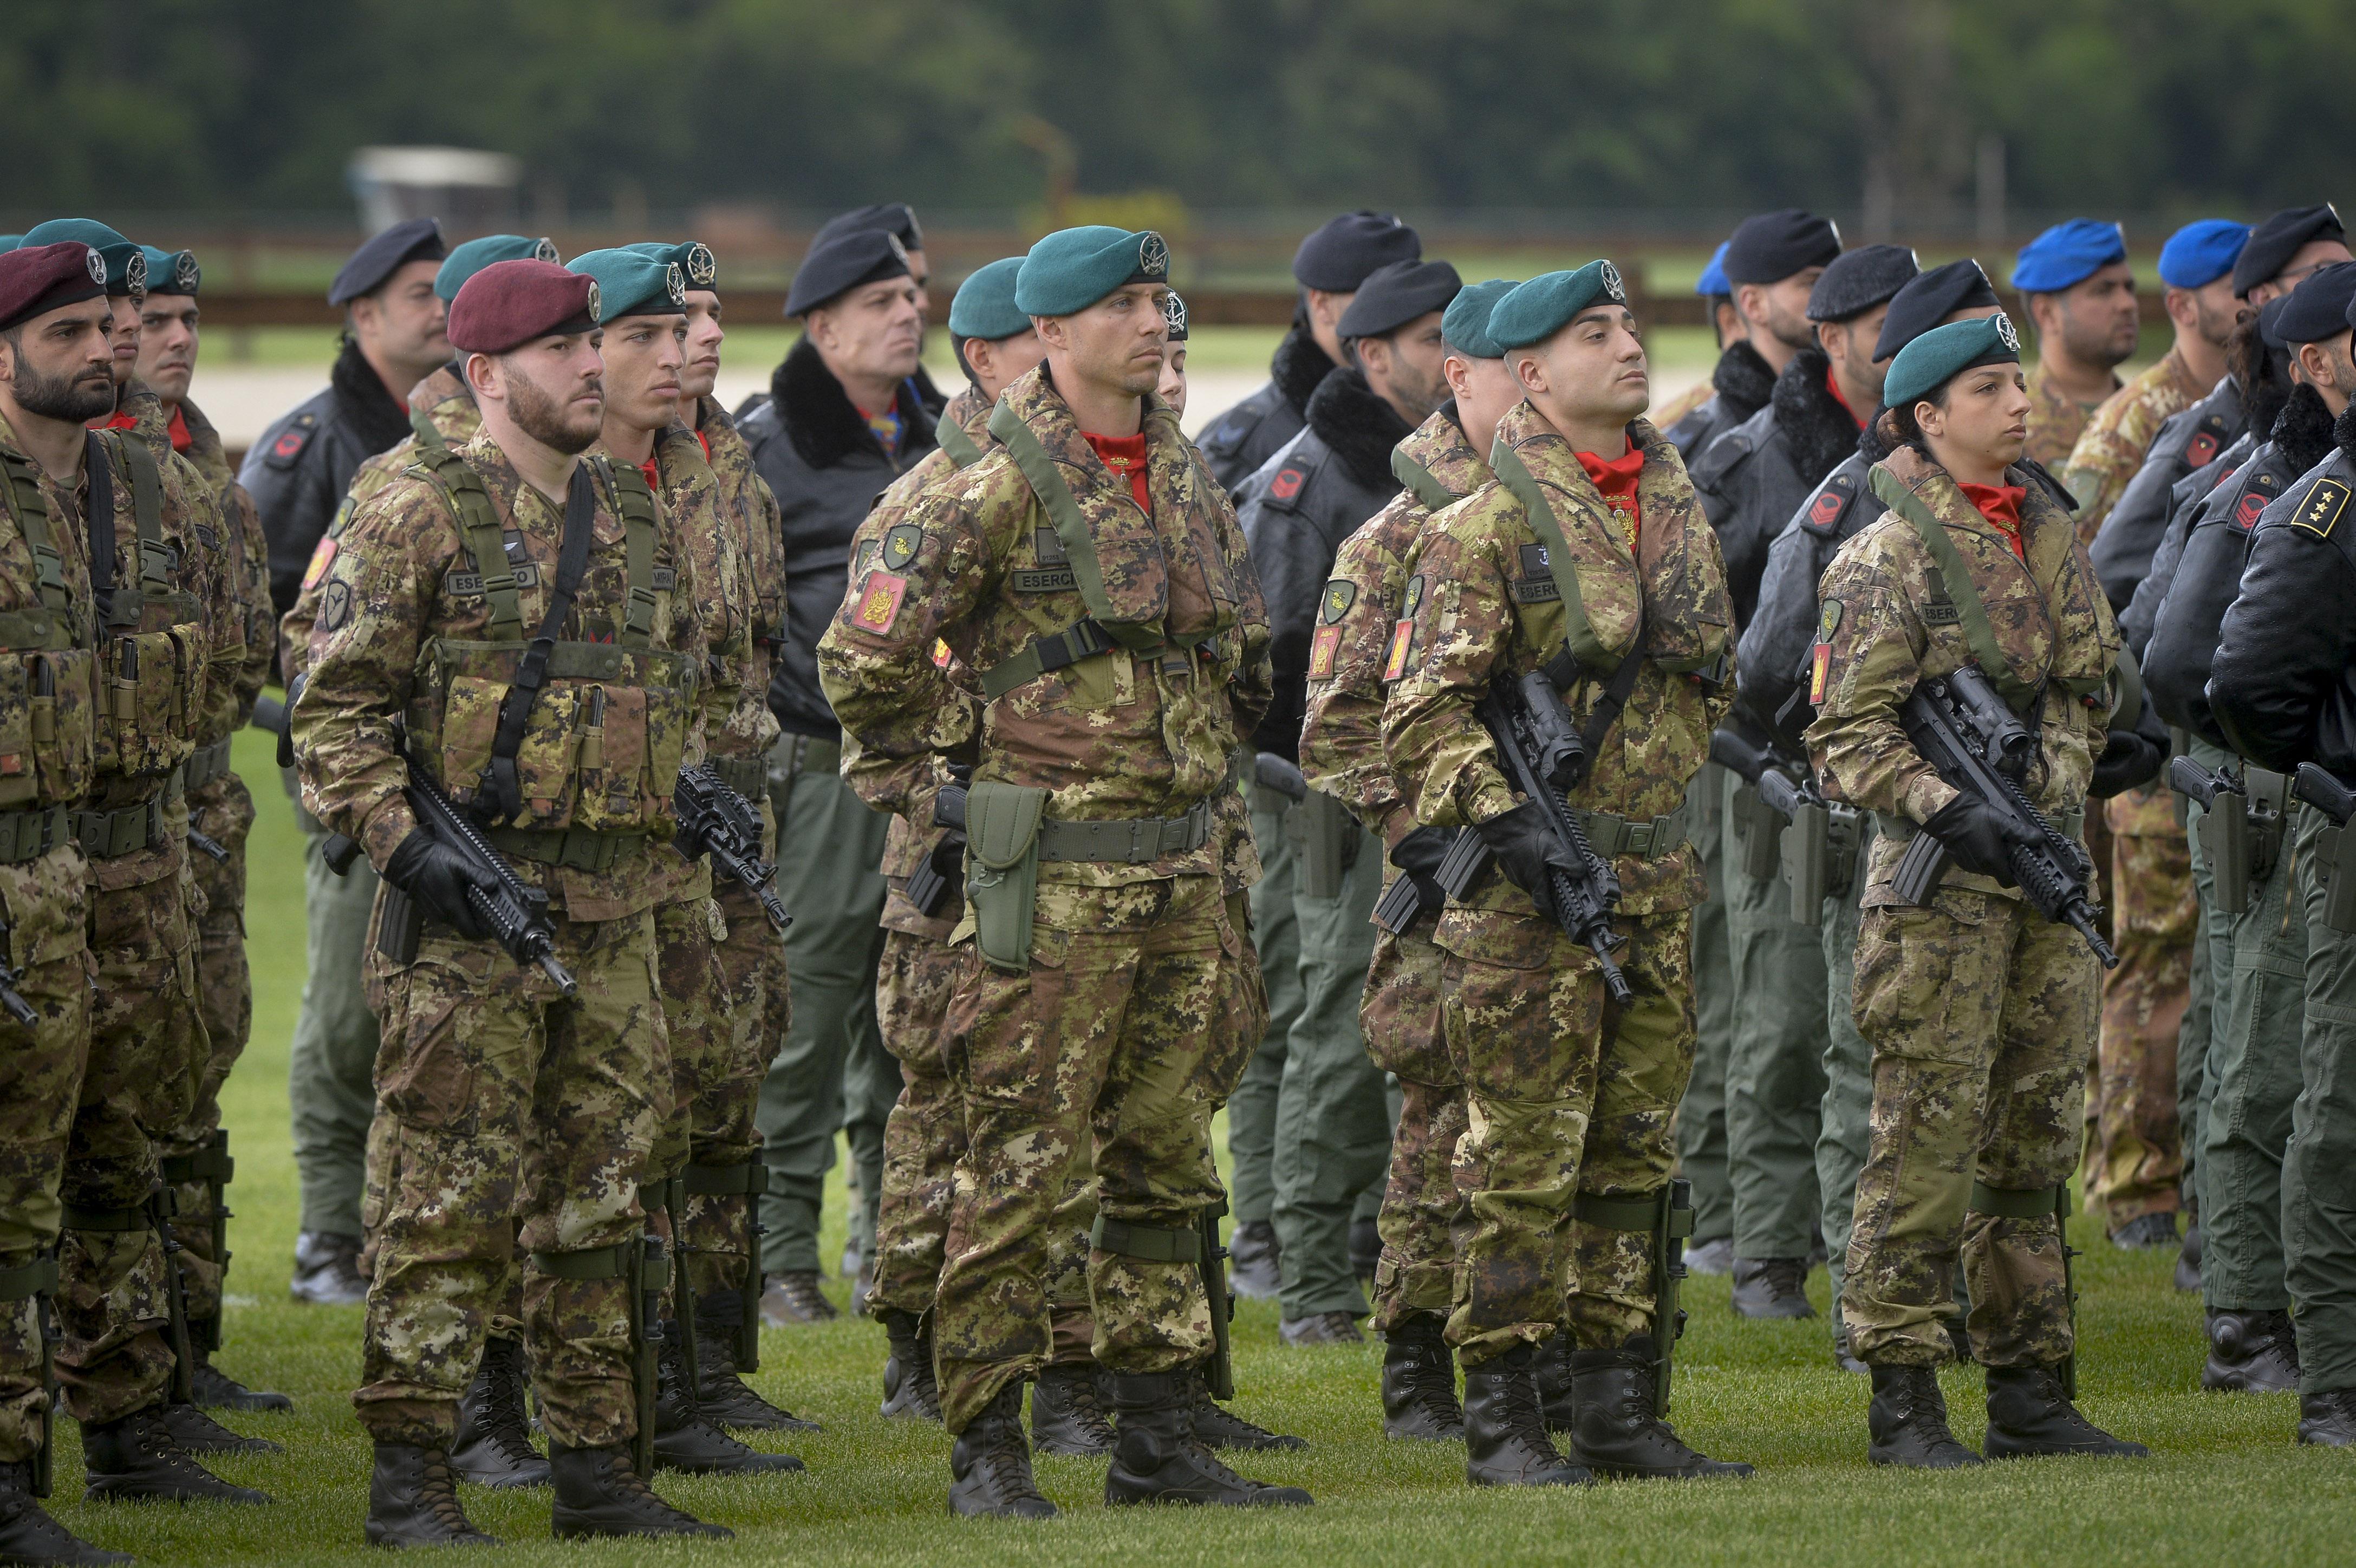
748, 776
1330, 841
206, 764
1002, 869
1758, 830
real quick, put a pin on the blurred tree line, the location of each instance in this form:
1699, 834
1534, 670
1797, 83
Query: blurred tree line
2141, 105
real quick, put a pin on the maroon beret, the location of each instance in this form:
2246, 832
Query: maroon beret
46, 277
509, 304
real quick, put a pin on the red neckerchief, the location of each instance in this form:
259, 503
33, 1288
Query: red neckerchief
1832, 385
706, 442
1617, 482
1125, 455
178, 427
2000, 504
654, 478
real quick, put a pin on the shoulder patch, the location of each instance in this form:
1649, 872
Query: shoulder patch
292, 440
323, 556
1828, 622
879, 602
2200, 448
901, 543
1414, 597
1831, 504
2319, 508
335, 605
1287, 484
1340, 594
1321, 649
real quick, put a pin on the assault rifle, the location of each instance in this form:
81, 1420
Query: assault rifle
1978, 745
516, 914
714, 818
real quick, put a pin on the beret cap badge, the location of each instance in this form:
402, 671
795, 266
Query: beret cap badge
1153, 255
2005, 333
543, 250
97, 266
702, 265
184, 270
135, 272
595, 307
675, 282
1611, 289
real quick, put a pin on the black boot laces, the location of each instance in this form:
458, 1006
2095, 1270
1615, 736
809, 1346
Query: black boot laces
437, 1491
1005, 1457
504, 1422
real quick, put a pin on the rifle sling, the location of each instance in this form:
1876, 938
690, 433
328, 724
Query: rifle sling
1971, 614
98, 526
500, 787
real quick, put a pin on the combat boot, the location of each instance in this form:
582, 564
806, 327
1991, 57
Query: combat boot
138, 1456
598, 1492
687, 1443
909, 1389
2250, 1352
1617, 1432
1419, 1383
1066, 1418
494, 1445
414, 1500
27, 1533
327, 1270
1216, 1427
990, 1464
198, 1433
2328, 1420
1321, 1329
1715, 1256
1253, 1260
2187, 1260
215, 1389
1505, 1442
2028, 1414
1158, 1459
1907, 1421
2147, 1232
721, 1392
794, 1298
1772, 1287
1558, 1398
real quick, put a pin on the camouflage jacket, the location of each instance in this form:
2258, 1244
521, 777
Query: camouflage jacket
57, 769
2112, 444
193, 492
400, 596
1145, 727
2056, 419
688, 493
246, 558
1486, 609
751, 513
1888, 621
1362, 616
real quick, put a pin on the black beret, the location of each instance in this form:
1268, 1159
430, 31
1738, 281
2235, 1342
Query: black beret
1774, 246
2318, 306
1396, 294
36, 279
2270, 324
2274, 242
1931, 298
897, 219
841, 264
1856, 280
509, 304
382, 254
1341, 254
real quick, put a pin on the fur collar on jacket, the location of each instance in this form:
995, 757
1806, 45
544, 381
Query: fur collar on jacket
1744, 380
1817, 429
1352, 418
362, 397
825, 425
1298, 368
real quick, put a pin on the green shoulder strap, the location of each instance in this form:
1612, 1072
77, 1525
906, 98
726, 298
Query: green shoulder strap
1418, 478
429, 438
156, 558
20, 495
951, 437
1071, 529
1516, 478
627, 486
1979, 636
486, 538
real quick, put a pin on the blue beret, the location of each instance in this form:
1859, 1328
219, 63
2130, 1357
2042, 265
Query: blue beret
126, 263
2277, 238
984, 304
1174, 315
1342, 252
1466, 324
631, 283
172, 272
1856, 280
382, 254
476, 254
1396, 294
1942, 353
1928, 299
2200, 253
1713, 276
1543, 306
1073, 268
836, 266
2067, 255
897, 219
1774, 246
2318, 307
695, 259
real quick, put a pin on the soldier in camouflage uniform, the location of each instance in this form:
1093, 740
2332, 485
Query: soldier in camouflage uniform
2079, 293
1097, 586
1597, 568
1980, 1011
507, 1097
1341, 754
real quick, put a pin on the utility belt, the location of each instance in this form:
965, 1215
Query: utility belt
31, 831
1650, 838
206, 764
574, 848
126, 830
2242, 834
1006, 835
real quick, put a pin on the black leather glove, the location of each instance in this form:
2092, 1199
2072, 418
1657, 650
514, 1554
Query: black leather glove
2131, 758
1975, 837
1419, 855
1528, 852
437, 878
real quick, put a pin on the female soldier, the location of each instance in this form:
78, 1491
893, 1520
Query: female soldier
1981, 1013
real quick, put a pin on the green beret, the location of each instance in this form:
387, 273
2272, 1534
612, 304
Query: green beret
172, 272
126, 263
1938, 356
1543, 306
695, 258
1072, 269
984, 307
1465, 323
629, 283
476, 254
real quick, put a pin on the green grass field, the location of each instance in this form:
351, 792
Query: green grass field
2228, 1486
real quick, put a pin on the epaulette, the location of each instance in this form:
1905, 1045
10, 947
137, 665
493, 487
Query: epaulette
1831, 502
291, 441
1734, 444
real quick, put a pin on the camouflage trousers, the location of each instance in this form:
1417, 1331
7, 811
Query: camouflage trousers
1130, 1029
708, 1140
502, 1102
1565, 1094
1846, 1130
1702, 1115
1275, 929
1981, 1017
223, 810
1406, 1037
2136, 1160
752, 959
47, 906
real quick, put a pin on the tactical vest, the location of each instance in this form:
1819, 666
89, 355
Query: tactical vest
48, 674
153, 648
609, 719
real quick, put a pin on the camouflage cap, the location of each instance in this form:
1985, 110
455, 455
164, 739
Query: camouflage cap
1072, 269
696, 262
1543, 306
1942, 353
473, 256
172, 272
1465, 324
630, 283
984, 307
